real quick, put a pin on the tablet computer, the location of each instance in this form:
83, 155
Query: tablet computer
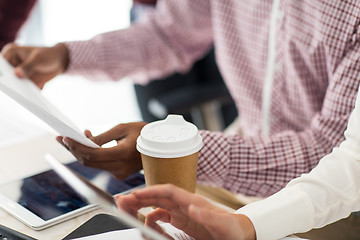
96, 195
45, 199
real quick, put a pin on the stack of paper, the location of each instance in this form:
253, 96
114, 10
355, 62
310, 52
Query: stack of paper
26, 93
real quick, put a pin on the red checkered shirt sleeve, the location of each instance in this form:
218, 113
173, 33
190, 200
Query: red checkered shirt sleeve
261, 166
176, 35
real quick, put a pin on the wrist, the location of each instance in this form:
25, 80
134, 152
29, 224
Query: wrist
247, 227
64, 56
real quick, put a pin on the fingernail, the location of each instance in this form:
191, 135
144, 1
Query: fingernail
65, 141
19, 72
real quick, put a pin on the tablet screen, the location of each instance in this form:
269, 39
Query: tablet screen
48, 196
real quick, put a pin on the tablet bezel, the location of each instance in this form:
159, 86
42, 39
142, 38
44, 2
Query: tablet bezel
35, 222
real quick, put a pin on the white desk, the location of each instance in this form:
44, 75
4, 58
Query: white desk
25, 159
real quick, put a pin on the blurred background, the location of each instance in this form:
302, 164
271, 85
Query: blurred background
200, 95
97, 106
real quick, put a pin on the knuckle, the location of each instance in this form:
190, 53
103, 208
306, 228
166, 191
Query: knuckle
81, 160
169, 187
88, 156
97, 139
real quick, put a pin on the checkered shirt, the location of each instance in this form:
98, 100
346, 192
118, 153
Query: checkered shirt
315, 83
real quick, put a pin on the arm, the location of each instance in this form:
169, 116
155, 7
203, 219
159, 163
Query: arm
328, 193
171, 39
13, 15
261, 165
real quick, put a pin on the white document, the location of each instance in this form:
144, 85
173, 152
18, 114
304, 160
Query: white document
14, 127
26, 93
135, 234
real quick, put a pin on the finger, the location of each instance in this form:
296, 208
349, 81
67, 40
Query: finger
132, 201
161, 215
75, 146
80, 151
94, 154
158, 214
160, 200
59, 139
40, 79
9, 53
160, 230
126, 203
88, 134
116, 133
103, 158
27, 67
172, 193
5, 50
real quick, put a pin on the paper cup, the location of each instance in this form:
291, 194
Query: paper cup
169, 151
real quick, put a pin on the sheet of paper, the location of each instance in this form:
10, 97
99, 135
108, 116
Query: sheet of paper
15, 132
293, 238
135, 234
24, 92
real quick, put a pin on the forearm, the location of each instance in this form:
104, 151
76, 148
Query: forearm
167, 42
259, 166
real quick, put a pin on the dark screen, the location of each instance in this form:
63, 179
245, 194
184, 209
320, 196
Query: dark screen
48, 196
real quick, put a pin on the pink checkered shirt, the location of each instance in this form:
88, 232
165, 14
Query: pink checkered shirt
315, 83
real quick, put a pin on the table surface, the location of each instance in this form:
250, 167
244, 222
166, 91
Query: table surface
30, 156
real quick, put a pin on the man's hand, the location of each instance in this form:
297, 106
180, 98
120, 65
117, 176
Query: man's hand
40, 64
188, 212
121, 160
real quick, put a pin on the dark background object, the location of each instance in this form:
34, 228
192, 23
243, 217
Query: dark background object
100, 223
189, 94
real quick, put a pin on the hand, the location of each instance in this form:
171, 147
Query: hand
188, 212
40, 64
121, 160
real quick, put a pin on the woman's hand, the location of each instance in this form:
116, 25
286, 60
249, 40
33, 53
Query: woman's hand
188, 212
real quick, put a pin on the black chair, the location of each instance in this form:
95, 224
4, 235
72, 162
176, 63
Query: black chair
199, 95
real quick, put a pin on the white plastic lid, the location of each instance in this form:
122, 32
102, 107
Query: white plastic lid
169, 138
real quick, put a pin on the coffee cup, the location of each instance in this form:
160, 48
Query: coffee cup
169, 151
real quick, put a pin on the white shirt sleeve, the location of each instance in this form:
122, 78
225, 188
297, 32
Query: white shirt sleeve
331, 191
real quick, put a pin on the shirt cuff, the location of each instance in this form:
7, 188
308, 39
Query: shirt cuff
81, 57
284, 213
